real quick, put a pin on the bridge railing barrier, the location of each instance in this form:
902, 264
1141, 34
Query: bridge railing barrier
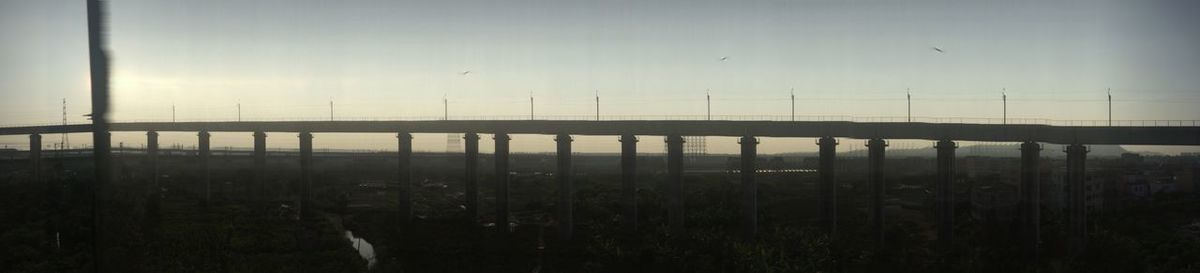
847, 118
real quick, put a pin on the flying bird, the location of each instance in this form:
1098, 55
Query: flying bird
724, 58
939, 50
465, 72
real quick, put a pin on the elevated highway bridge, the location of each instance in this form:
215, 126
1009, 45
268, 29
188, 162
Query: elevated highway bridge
1088, 135
827, 132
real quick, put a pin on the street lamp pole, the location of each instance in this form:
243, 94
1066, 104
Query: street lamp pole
708, 105
1110, 107
908, 94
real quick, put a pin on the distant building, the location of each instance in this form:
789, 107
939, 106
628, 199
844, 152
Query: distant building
1056, 193
776, 163
1146, 184
454, 143
10, 153
975, 166
372, 184
693, 147
1195, 174
1186, 177
994, 202
1132, 158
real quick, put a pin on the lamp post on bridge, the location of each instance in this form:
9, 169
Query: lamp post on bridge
708, 105
908, 95
793, 92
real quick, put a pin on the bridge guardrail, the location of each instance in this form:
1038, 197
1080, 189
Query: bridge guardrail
888, 119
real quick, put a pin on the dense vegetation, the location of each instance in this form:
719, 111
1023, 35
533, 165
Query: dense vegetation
183, 237
47, 227
787, 242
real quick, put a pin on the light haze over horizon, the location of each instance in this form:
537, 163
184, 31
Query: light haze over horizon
381, 59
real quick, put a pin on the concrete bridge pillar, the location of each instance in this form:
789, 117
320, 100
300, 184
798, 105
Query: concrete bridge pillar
875, 157
827, 184
205, 174
501, 158
749, 188
306, 157
629, 180
944, 193
566, 188
1030, 199
471, 176
1076, 198
404, 177
675, 197
35, 156
153, 190
260, 169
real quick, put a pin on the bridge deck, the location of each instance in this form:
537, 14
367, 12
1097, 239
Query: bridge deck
885, 130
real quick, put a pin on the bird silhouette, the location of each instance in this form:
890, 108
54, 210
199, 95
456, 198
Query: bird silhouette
939, 50
723, 58
465, 72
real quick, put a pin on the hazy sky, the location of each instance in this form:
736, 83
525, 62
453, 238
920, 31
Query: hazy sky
378, 59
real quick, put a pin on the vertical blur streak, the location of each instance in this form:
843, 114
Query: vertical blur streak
100, 136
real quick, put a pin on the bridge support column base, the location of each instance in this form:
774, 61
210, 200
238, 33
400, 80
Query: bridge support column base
1030, 199
566, 189
501, 159
471, 176
629, 181
675, 197
404, 178
1077, 198
749, 188
35, 157
827, 183
204, 152
875, 152
944, 194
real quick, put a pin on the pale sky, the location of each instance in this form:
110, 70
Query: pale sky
388, 59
